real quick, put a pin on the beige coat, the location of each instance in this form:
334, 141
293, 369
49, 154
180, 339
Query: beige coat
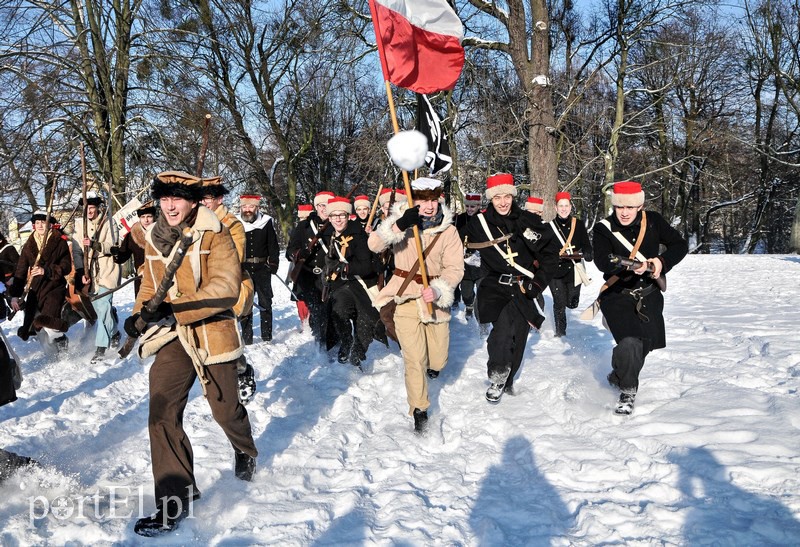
445, 263
244, 306
105, 273
203, 293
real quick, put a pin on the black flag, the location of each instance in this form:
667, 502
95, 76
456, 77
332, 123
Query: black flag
429, 124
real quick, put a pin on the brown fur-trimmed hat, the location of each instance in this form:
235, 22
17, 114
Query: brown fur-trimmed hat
425, 189
177, 184
213, 187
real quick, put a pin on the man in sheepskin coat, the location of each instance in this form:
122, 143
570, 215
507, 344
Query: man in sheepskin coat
424, 337
193, 333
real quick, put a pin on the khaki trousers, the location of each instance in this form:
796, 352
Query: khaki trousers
171, 377
424, 346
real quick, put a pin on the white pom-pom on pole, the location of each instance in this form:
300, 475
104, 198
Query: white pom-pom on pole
408, 149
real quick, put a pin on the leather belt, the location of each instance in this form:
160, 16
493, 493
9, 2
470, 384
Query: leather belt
417, 278
507, 278
256, 260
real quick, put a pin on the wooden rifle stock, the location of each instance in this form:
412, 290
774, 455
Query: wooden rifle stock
631, 264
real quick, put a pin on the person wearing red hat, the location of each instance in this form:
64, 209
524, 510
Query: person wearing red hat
421, 317
306, 251
535, 205
631, 302
348, 276
361, 205
565, 286
472, 265
518, 257
303, 210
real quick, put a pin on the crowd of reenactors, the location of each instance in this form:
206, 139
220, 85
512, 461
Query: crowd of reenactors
392, 267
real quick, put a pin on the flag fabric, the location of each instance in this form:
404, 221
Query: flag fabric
419, 42
438, 158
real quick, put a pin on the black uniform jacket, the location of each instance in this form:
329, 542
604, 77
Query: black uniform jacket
303, 233
617, 303
357, 254
536, 250
580, 243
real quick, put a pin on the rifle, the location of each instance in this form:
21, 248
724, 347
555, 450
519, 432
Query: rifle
163, 287
630, 264
115, 289
572, 256
298, 261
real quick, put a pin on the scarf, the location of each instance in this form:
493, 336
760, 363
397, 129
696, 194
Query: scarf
435, 220
165, 236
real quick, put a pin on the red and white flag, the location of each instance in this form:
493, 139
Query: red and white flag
419, 42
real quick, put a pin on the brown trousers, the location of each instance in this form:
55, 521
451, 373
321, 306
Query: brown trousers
171, 377
424, 346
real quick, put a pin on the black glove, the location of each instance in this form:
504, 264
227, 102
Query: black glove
530, 289
78, 280
163, 310
115, 251
273, 268
410, 218
130, 326
96, 246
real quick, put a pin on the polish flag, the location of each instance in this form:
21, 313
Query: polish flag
419, 42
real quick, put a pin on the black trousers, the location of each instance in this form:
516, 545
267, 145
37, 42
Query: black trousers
565, 295
627, 361
348, 317
506, 344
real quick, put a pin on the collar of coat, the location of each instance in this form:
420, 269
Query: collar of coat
138, 234
399, 208
260, 221
205, 221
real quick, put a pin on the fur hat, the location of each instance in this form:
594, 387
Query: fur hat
91, 198
534, 205
213, 187
41, 215
323, 197
361, 201
148, 208
177, 184
386, 194
563, 195
303, 210
627, 194
336, 204
249, 199
501, 183
472, 199
424, 189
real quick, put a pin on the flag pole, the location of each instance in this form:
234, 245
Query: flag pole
423, 272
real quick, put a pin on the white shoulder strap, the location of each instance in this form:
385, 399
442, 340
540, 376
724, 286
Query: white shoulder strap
556, 231
628, 245
522, 270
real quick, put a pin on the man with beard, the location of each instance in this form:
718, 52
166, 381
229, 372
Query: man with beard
472, 258
96, 271
193, 334
261, 255
307, 250
518, 257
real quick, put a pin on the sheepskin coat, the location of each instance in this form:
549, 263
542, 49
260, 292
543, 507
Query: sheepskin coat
203, 293
104, 271
244, 305
444, 265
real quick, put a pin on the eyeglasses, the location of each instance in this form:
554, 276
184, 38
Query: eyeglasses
338, 215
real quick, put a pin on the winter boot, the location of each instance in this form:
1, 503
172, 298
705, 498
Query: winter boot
245, 466
247, 384
498, 383
469, 312
420, 420
62, 344
432, 374
99, 355
508, 389
166, 519
116, 339
625, 404
612, 380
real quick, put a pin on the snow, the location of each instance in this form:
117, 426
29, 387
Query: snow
710, 455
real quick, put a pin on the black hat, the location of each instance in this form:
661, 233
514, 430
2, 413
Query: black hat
41, 215
177, 184
213, 187
147, 209
92, 199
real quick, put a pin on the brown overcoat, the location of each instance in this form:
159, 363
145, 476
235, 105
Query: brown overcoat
203, 293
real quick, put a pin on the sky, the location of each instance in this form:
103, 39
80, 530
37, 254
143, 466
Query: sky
710, 455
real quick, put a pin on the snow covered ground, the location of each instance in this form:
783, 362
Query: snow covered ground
710, 456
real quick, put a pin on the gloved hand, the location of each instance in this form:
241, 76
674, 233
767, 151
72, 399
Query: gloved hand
115, 251
164, 309
410, 218
130, 326
273, 268
530, 289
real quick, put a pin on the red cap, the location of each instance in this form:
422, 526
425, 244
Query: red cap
563, 195
501, 183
